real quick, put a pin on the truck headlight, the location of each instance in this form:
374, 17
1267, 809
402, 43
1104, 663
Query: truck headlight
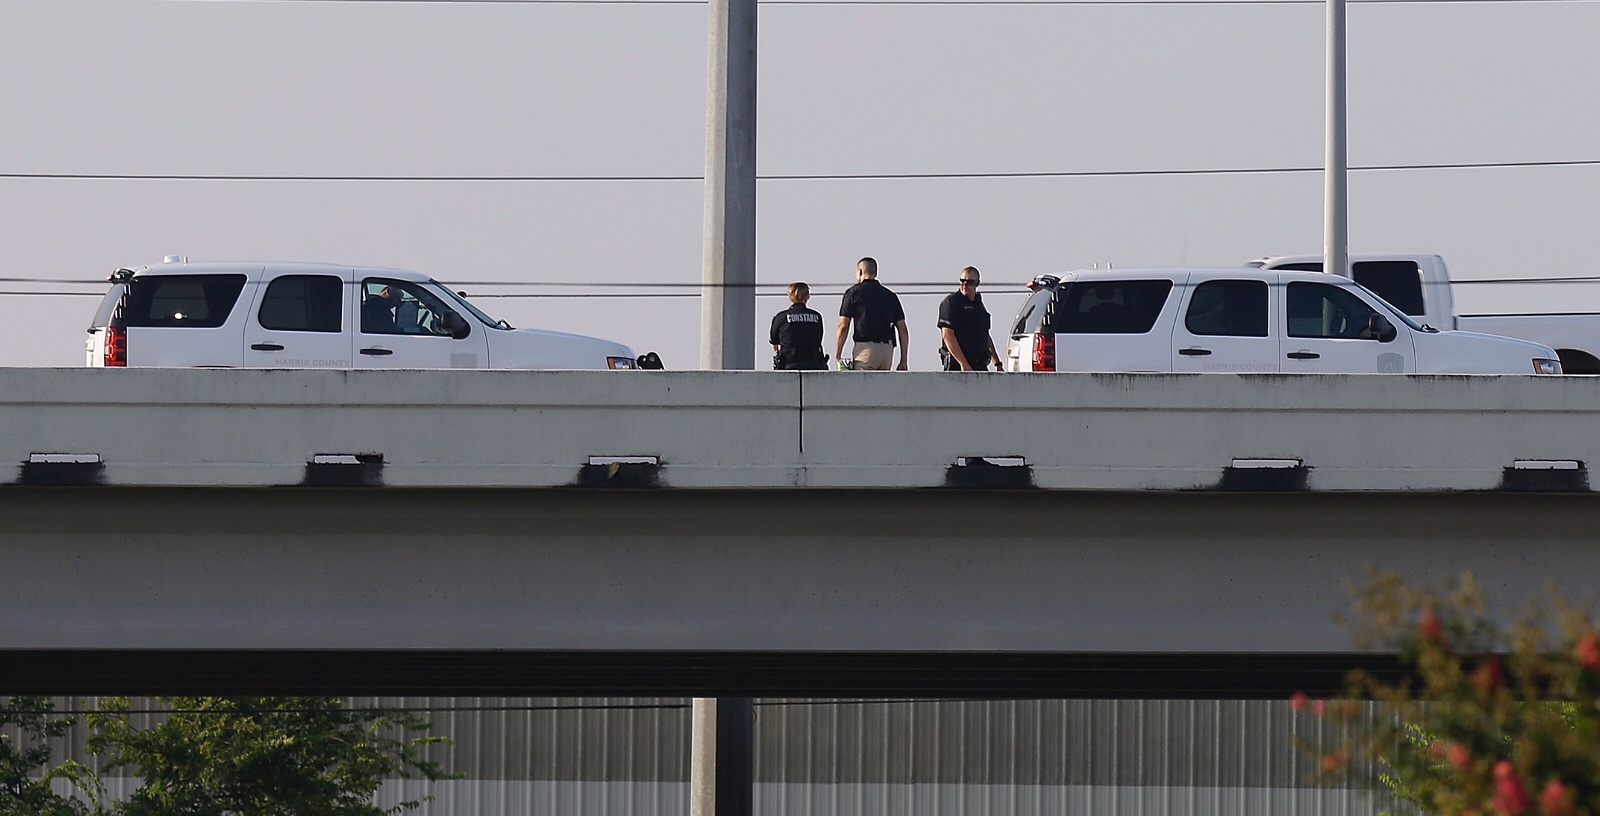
1546, 366
619, 363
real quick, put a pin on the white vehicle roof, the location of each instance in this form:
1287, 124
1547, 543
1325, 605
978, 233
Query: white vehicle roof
255, 269
1353, 257
1180, 272
1140, 272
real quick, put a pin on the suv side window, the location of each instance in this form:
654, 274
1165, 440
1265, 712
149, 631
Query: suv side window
1233, 308
1399, 282
1321, 310
400, 307
1110, 307
181, 301
309, 303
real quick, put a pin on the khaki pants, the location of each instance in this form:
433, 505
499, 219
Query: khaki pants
873, 356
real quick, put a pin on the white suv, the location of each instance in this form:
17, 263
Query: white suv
300, 315
1237, 319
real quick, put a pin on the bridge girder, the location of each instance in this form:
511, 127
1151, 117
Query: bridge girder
744, 592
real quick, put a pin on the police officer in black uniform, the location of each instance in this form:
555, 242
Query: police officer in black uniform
797, 334
878, 318
964, 323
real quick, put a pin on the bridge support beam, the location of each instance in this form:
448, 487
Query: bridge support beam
733, 593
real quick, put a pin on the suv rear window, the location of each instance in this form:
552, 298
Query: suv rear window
1035, 314
108, 306
1109, 307
181, 301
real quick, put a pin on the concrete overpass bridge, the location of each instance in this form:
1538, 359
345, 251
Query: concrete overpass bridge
757, 534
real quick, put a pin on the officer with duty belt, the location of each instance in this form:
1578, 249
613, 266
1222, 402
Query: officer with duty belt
878, 316
796, 334
964, 324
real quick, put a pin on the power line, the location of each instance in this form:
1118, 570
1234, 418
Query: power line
224, 177
56, 294
780, 288
816, 291
913, 2
1115, 2
1142, 3
1195, 172
1214, 171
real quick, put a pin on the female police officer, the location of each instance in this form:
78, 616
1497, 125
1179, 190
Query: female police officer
797, 334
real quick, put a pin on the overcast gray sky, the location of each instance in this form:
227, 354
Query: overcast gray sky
500, 103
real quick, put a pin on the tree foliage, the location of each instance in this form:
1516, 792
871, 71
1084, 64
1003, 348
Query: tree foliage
27, 724
261, 756
1489, 719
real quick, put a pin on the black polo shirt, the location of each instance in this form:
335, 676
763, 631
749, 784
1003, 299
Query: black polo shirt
874, 310
797, 332
970, 321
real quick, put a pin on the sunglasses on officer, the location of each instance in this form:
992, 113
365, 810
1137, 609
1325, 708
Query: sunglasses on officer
965, 281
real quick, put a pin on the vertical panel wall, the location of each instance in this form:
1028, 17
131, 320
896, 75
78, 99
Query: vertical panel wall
523, 756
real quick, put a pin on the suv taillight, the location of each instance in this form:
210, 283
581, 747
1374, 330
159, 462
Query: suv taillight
116, 346
1044, 352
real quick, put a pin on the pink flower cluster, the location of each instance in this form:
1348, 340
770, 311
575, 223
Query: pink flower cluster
1588, 651
1510, 796
1299, 702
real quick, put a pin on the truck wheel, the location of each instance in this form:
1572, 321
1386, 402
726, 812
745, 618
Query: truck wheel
1577, 362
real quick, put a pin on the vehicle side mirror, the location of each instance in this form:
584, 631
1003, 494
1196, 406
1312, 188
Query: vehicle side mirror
456, 325
1380, 329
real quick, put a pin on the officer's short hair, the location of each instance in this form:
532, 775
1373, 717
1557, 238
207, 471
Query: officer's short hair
798, 290
871, 265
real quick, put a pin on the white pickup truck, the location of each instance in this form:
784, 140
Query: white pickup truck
1242, 319
301, 315
1419, 285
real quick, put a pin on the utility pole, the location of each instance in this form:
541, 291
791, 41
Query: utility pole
722, 730
1336, 182
728, 297
721, 757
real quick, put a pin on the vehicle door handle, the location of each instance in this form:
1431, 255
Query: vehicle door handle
1194, 352
377, 351
1303, 355
266, 347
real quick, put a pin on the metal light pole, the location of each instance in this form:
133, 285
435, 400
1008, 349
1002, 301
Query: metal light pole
728, 299
1336, 183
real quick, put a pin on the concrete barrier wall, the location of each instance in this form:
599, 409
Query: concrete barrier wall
781, 429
